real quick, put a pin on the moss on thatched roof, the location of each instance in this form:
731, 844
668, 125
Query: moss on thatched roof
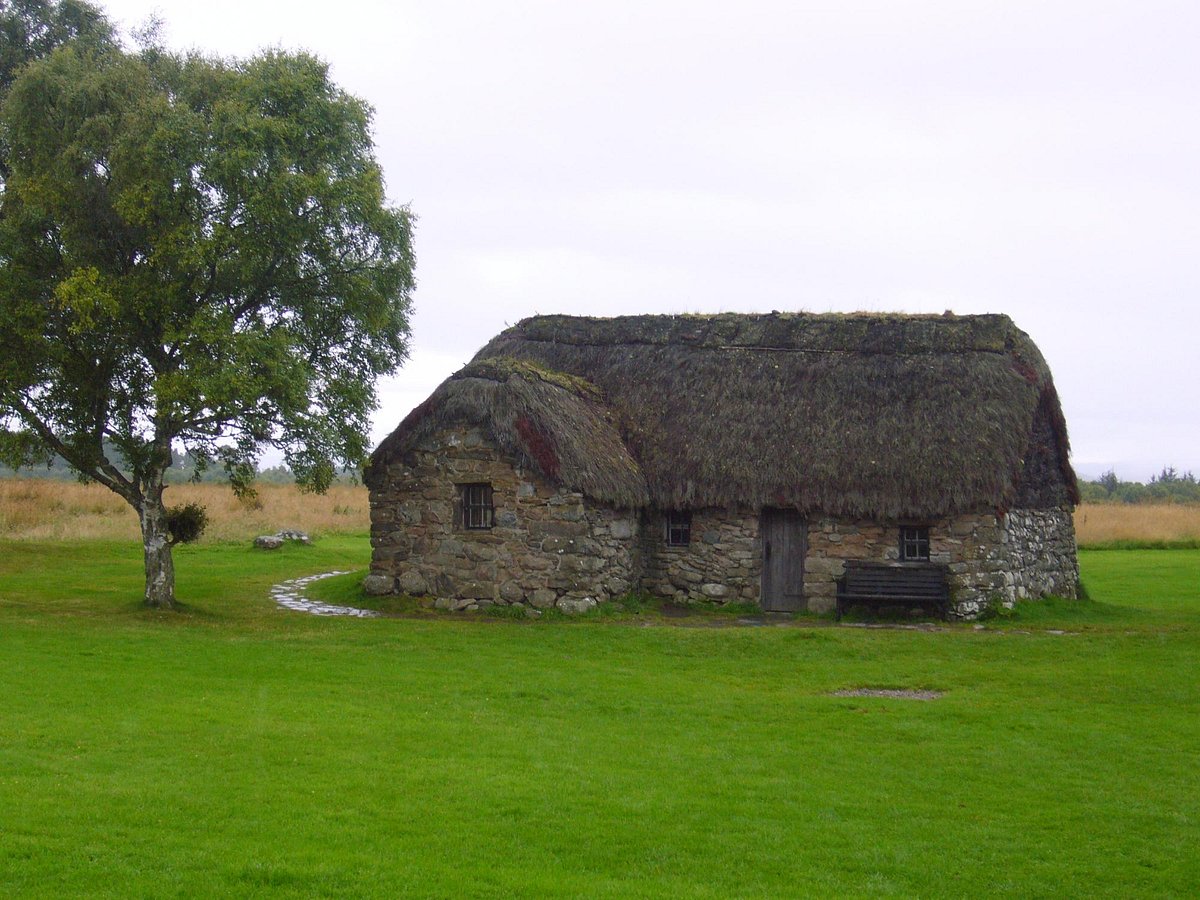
550, 421
881, 416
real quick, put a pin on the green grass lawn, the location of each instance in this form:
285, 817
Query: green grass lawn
237, 749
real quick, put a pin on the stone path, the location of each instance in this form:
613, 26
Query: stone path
290, 595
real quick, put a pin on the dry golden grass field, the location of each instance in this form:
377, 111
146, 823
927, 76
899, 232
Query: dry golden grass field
40, 509
37, 509
1106, 523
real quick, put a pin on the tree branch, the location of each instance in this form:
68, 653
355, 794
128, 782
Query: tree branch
104, 472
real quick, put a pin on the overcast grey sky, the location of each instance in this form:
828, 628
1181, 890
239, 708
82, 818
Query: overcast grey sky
1040, 159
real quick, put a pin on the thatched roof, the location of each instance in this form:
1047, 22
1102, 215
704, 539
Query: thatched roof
882, 416
554, 423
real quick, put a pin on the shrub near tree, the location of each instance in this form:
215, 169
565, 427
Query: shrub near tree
195, 254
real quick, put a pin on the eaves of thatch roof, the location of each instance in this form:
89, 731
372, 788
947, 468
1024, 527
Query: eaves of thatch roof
879, 416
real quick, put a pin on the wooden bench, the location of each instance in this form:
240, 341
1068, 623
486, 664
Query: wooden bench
910, 584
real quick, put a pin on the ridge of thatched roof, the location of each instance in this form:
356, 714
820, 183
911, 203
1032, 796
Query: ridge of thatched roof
856, 333
872, 415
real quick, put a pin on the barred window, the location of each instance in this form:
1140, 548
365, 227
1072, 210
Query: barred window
679, 528
477, 509
914, 542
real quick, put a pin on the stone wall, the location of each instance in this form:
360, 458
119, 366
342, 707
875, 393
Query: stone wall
547, 548
1042, 552
990, 559
833, 541
721, 564
997, 560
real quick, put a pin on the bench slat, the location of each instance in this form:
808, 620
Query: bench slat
871, 586
892, 598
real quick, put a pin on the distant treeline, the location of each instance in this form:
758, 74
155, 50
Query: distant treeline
1169, 486
182, 471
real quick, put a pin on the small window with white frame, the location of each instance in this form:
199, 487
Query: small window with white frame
477, 507
914, 543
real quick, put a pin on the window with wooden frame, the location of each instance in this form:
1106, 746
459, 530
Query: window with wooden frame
679, 528
478, 511
914, 543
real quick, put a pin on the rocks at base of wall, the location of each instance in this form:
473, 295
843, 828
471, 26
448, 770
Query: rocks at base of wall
617, 586
412, 582
475, 590
971, 607
542, 598
512, 592
574, 607
378, 585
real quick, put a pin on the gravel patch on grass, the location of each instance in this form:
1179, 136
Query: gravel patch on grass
894, 693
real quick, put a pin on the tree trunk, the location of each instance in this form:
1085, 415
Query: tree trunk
160, 566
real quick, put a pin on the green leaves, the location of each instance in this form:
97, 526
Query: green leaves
196, 253
86, 300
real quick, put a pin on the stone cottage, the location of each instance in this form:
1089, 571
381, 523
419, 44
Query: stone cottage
730, 457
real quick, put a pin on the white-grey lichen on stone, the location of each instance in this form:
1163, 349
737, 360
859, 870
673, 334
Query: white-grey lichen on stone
577, 606
276, 540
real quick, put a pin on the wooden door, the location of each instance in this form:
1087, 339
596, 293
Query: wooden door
784, 537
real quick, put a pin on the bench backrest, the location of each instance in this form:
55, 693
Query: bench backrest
884, 580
